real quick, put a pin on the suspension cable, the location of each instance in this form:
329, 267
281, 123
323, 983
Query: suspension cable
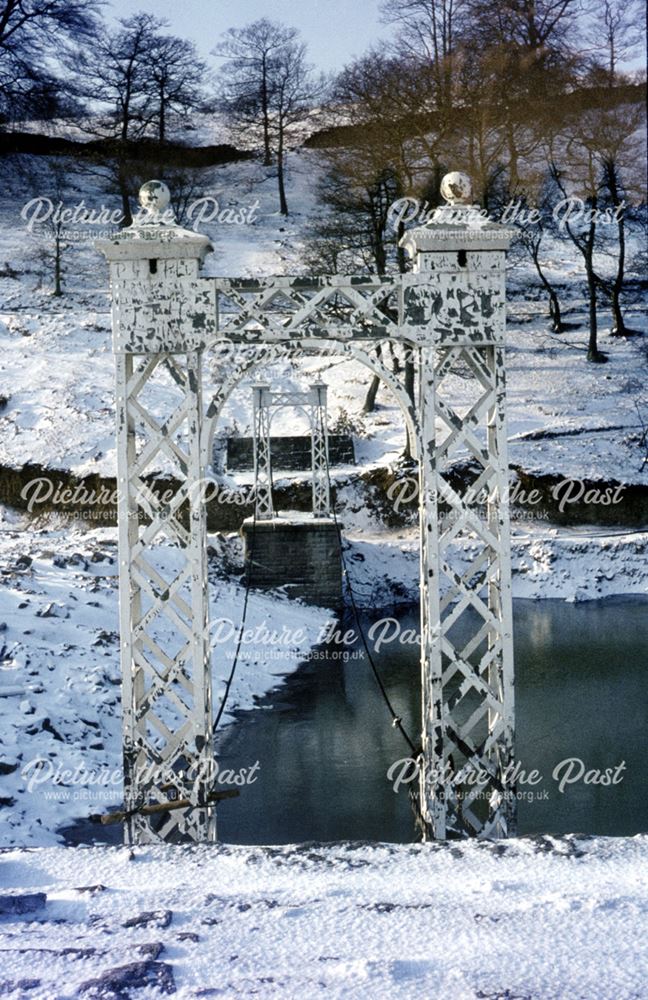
397, 722
248, 581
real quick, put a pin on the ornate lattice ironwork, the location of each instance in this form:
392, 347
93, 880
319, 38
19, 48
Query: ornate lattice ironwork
313, 403
468, 706
163, 596
449, 316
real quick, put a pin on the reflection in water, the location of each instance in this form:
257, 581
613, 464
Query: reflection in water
325, 740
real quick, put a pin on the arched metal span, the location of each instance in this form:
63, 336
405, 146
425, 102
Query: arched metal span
285, 353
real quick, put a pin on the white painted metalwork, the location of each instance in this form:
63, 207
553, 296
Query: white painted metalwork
261, 419
320, 451
313, 403
449, 314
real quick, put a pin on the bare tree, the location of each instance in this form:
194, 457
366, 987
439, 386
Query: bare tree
139, 82
267, 83
614, 35
538, 222
520, 52
177, 80
115, 76
620, 149
357, 190
387, 99
542, 28
48, 240
247, 77
33, 34
584, 236
429, 31
295, 90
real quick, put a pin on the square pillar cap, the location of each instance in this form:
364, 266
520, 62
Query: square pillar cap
154, 233
457, 225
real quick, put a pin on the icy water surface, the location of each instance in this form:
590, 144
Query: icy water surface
324, 740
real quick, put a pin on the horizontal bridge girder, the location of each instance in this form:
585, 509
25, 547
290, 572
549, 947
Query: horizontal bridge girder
161, 312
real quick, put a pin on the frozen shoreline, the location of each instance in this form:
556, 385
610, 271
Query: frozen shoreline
571, 564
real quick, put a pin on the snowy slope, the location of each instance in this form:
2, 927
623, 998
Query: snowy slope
58, 595
56, 366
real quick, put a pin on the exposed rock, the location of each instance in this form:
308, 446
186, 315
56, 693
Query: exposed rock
53, 610
8, 986
150, 949
160, 918
118, 983
47, 727
27, 902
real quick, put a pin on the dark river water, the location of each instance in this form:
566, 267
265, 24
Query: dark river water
324, 740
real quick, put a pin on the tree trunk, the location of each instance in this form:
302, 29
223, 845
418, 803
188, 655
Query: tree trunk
554, 311
122, 181
370, 398
57, 266
514, 176
554, 303
593, 353
400, 253
162, 122
372, 392
408, 453
267, 155
283, 204
619, 328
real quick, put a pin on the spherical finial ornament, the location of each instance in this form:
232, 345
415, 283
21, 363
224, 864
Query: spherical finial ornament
154, 197
456, 188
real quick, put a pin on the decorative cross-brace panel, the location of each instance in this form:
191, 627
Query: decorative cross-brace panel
467, 656
166, 692
261, 421
449, 316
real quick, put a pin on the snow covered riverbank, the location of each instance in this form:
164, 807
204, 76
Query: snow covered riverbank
60, 673
571, 564
537, 918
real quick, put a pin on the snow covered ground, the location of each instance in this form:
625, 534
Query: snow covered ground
537, 918
571, 564
60, 705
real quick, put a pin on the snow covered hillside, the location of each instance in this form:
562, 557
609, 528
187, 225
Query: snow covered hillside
56, 366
